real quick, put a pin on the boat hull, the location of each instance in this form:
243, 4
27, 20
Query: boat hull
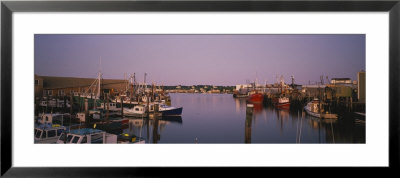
256, 98
312, 113
322, 115
134, 114
283, 105
172, 112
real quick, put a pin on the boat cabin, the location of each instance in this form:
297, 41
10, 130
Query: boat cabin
87, 136
54, 103
47, 133
52, 118
111, 106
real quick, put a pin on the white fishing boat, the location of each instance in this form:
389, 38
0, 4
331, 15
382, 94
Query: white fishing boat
315, 108
282, 102
47, 133
112, 107
54, 103
136, 111
87, 136
53, 118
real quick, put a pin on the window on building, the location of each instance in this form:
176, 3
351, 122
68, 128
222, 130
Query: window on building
60, 92
36, 82
50, 92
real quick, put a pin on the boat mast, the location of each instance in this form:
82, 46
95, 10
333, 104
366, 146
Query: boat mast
145, 84
99, 80
99, 84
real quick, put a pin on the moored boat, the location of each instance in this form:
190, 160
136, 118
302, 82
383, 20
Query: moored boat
170, 110
87, 136
282, 102
315, 108
53, 118
136, 111
256, 98
48, 133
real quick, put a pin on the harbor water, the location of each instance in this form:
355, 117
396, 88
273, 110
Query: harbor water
221, 118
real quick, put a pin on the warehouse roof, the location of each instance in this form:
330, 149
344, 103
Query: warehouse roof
50, 82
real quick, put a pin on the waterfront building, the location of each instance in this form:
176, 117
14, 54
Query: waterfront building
341, 81
50, 86
361, 86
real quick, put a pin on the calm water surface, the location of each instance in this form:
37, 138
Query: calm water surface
220, 118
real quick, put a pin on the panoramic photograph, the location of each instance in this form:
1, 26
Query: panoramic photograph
199, 89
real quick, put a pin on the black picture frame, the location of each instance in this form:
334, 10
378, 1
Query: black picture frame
8, 7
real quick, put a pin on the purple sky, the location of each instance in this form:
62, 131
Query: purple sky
201, 59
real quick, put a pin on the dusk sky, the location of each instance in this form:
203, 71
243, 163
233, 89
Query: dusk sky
201, 59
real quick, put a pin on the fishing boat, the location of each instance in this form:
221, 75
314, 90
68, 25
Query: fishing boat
48, 133
170, 110
282, 102
53, 118
137, 111
96, 113
111, 107
54, 103
86, 136
315, 108
256, 98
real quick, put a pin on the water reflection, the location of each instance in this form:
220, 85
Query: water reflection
150, 129
295, 126
248, 122
220, 118
283, 118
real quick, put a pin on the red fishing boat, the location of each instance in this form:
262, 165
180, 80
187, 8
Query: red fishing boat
283, 103
256, 98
